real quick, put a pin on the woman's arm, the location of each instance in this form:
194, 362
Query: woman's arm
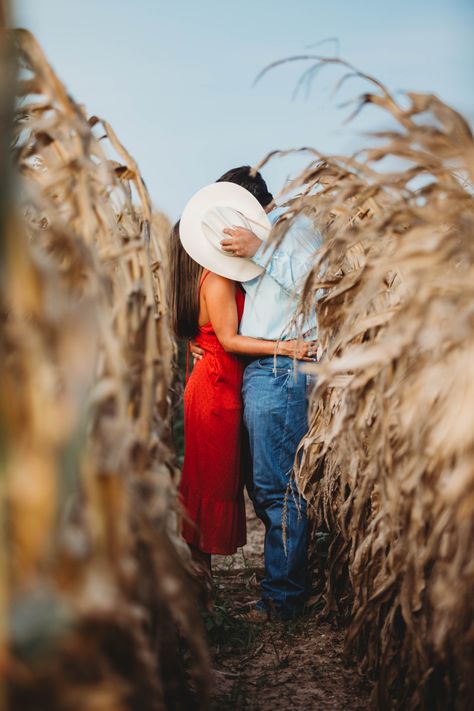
219, 295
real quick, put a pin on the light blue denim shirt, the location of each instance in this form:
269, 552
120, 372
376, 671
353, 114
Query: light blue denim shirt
271, 298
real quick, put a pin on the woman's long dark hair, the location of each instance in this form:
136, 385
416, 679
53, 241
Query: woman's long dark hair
185, 275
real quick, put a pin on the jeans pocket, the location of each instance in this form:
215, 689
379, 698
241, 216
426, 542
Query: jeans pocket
268, 364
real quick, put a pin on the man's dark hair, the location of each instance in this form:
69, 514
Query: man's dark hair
255, 184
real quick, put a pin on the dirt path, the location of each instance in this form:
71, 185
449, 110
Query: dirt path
273, 666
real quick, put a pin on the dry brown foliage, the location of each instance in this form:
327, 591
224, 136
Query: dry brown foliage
94, 589
388, 463
97, 602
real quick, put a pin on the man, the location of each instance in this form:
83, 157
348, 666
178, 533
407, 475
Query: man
275, 402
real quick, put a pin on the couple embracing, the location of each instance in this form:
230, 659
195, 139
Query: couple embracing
236, 302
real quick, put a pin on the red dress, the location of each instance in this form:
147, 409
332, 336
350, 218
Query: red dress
211, 487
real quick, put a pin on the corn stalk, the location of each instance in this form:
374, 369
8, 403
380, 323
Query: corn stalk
100, 600
388, 464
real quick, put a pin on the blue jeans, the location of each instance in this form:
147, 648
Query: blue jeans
275, 414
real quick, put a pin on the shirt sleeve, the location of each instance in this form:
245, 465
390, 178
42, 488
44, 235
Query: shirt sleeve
290, 264
288, 271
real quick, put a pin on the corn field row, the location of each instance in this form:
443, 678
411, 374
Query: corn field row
388, 463
95, 583
97, 601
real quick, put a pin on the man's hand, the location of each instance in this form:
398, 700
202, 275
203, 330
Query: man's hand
196, 351
241, 242
301, 350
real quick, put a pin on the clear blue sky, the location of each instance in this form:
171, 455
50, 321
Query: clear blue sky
175, 77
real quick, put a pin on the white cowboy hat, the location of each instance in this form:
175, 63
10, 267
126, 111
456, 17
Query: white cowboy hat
207, 214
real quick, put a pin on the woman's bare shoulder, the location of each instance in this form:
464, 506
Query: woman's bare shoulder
215, 282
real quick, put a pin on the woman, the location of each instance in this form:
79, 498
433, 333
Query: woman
208, 308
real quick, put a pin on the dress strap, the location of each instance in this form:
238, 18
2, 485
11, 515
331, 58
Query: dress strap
204, 278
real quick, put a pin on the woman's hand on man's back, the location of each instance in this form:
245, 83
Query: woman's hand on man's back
196, 351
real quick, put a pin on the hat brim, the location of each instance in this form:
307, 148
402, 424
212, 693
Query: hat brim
196, 242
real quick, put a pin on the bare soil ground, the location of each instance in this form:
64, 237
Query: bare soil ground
271, 666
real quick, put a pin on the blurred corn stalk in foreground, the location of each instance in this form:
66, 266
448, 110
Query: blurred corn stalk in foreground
99, 608
388, 464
